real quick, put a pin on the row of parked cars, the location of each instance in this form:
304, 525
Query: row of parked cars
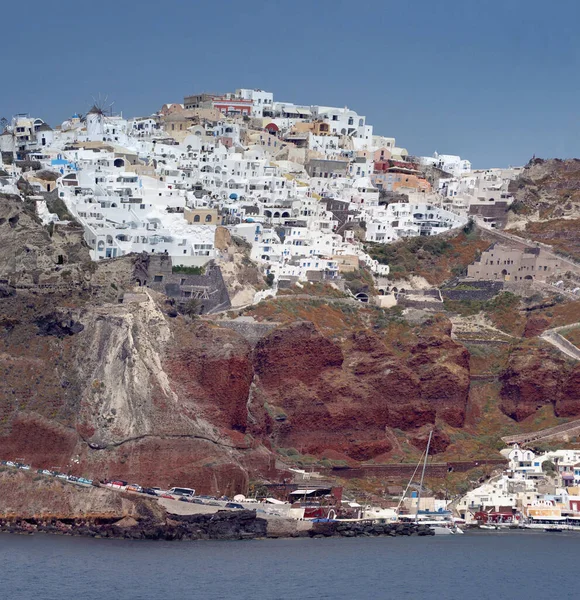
48, 472
175, 493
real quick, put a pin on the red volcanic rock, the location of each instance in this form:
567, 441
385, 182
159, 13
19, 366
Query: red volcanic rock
211, 369
369, 450
342, 398
444, 387
535, 326
40, 442
295, 353
439, 441
568, 402
169, 462
533, 378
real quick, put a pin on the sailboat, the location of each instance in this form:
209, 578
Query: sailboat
440, 526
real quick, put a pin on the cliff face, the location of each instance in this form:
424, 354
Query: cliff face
549, 187
32, 256
98, 390
95, 387
536, 377
123, 390
344, 397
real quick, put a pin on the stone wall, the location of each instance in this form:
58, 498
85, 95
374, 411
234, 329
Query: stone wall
438, 470
481, 290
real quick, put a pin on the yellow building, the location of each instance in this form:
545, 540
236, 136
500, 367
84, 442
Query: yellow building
202, 216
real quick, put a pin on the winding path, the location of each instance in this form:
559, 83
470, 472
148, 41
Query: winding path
553, 337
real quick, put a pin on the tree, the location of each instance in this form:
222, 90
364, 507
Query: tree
548, 466
192, 308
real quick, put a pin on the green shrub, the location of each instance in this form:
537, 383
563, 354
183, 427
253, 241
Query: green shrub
188, 270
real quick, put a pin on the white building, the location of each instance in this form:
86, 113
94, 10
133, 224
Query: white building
448, 163
399, 220
263, 101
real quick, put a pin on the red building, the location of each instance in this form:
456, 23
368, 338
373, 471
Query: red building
233, 106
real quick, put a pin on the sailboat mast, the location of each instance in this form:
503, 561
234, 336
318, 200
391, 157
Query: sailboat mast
423, 475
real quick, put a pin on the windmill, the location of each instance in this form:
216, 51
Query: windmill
96, 116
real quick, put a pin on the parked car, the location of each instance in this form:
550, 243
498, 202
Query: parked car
233, 505
150, 491
180, 491
117, 484
197, 501
133, 487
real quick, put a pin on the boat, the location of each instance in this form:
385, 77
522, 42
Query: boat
440, 526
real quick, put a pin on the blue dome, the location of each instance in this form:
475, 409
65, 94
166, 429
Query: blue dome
233, 196
75, 116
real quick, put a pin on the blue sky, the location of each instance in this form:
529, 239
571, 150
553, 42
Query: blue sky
495, 81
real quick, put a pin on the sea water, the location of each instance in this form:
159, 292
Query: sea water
474, 566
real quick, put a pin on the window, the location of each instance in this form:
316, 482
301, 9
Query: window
208, 218
196, 219
158, 278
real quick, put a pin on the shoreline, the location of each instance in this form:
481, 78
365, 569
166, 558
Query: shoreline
223, 525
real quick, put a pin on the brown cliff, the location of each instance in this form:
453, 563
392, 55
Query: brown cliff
344, 397
95, 387
537, 376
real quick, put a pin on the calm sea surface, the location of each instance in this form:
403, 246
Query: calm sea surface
474, 566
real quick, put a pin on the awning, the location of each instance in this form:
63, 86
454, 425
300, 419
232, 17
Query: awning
302, 492
303, 111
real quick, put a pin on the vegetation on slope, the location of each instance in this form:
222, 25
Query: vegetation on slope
437, 258
562, 234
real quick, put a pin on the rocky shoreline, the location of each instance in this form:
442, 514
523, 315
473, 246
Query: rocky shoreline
223, 525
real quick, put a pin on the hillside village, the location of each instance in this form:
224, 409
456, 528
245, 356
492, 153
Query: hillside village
306, 186
354, 298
